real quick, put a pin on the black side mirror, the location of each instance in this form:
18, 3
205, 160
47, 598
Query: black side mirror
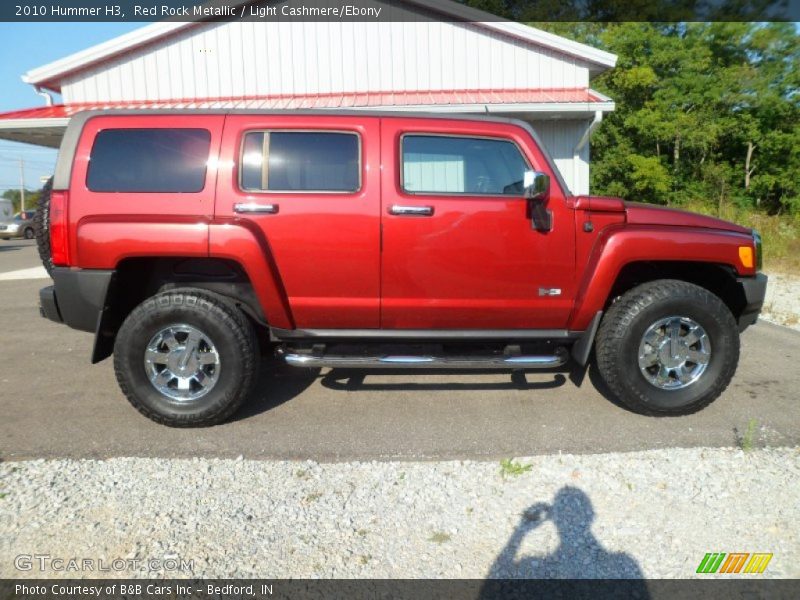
537, 191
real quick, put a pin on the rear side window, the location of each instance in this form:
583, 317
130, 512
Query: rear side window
436, 164
149, 160
300, 161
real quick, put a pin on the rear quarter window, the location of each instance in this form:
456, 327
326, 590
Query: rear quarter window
300, 161
149, 160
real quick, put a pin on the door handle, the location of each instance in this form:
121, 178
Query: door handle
255, 208
411, 211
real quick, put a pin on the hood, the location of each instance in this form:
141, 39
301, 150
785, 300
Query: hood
649, 214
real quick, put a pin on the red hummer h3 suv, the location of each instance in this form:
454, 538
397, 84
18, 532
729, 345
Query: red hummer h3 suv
188, 242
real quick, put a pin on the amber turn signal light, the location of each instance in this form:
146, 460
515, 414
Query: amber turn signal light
746, 256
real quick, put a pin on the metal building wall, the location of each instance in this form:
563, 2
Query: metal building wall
560, 137
243, 59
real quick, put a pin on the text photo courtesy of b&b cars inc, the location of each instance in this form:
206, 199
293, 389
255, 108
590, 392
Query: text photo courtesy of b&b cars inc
399, 299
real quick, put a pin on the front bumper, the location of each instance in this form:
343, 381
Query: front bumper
755, 290
77, 297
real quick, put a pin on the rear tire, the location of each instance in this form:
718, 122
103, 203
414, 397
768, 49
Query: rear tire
151, 365
41, 223
29, 234
659, 376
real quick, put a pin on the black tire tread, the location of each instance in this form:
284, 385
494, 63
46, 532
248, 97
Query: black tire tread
224, 312
620, 317
41, 226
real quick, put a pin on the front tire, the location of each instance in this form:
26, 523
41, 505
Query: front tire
667, 347
186, 358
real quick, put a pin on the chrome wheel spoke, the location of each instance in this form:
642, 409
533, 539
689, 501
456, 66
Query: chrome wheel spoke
653, 338
202, 378
693, 336
649, 358
663, 374
156, 357
207, 358
684, 374
698, 357
169, 339
164, 377
674, 335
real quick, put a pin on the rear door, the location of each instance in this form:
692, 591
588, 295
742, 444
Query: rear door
459, 248
309, 185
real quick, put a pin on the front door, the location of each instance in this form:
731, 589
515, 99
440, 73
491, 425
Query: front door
310, 186
459, 247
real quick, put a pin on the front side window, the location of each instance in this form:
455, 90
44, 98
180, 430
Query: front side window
300, 161
436, 164
149, 160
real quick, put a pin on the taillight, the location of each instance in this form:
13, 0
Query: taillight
59, 242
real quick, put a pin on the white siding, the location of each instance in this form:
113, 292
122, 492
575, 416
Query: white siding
248, 59
560, 138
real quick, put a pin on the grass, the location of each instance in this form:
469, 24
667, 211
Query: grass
747, 441
439, 537
511, 468
3, 495
780, 233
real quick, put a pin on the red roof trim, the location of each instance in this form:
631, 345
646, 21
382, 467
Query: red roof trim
331, 100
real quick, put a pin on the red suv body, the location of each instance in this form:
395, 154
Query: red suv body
332, 235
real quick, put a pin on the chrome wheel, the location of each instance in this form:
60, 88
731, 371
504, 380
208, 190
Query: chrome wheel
674, 353
182, 362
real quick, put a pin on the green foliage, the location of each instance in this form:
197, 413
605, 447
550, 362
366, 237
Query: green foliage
510, 468
31, 199
706, 113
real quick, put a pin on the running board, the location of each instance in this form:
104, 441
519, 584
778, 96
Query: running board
427, 362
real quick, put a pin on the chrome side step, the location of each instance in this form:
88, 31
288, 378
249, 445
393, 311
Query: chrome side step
339, 361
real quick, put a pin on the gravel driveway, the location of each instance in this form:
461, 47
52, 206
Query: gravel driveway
654, 514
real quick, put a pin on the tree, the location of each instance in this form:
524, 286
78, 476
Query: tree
706, 112
31, 199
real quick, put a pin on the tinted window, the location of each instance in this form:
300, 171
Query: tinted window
300, 161
149, 160
461, 165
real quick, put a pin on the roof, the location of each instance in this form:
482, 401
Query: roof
44, 125
583, 99
49, 76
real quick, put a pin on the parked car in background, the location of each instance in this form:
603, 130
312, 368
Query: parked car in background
18, 226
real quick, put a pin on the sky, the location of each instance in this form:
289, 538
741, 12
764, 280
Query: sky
27, 46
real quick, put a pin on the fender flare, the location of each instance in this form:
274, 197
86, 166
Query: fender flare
622, 245
246, 245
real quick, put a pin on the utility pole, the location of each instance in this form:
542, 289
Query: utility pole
22, 184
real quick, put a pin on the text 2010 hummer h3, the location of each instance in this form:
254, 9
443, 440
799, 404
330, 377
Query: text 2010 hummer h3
190, 242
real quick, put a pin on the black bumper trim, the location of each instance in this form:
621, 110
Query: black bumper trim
48, 307
77, 298
755, 290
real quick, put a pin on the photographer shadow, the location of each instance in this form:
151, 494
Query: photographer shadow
579, 554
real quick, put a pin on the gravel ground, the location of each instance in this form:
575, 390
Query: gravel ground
653, 513
782, 304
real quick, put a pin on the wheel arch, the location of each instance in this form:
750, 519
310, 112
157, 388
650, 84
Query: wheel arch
624, 257
719, 279
138, 278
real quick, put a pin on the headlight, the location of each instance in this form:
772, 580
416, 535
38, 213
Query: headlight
759, 251
13, 227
